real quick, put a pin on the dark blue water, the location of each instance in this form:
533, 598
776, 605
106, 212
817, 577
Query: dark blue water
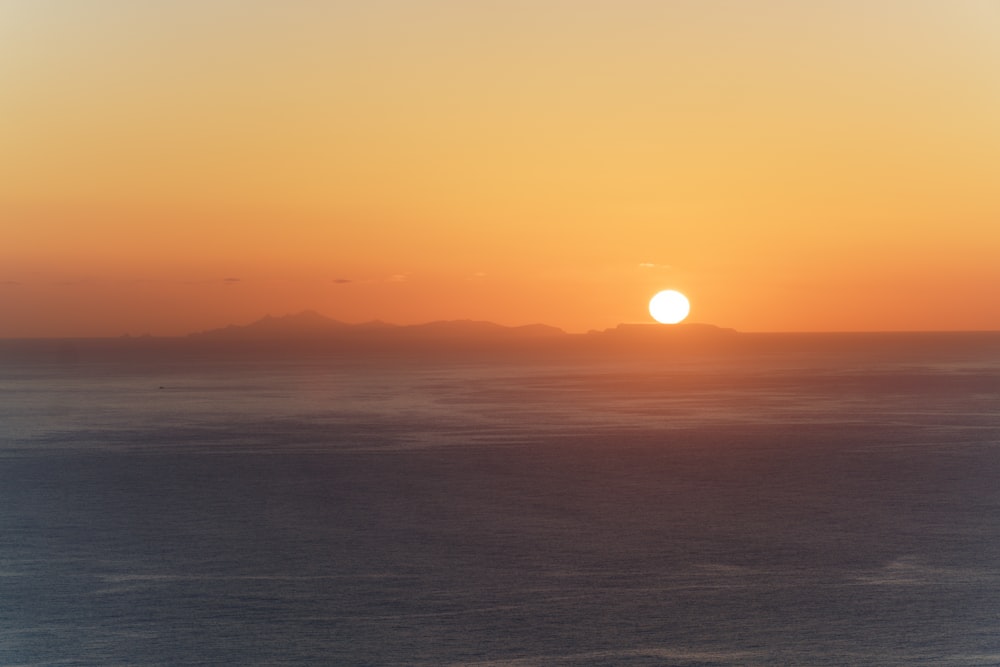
754, 510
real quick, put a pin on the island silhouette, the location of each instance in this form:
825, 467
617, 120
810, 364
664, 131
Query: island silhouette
310, 324
311, 330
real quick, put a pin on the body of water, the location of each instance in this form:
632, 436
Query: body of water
742, 509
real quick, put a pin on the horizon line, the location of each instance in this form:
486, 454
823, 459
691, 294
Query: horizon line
770, 332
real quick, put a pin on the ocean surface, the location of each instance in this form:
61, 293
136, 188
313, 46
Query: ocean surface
792, 505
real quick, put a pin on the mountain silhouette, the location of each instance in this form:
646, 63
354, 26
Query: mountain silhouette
310, 325
307, 324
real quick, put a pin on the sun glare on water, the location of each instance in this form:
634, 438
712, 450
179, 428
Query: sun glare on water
669, 307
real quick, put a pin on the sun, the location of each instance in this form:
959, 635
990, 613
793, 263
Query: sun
669, 307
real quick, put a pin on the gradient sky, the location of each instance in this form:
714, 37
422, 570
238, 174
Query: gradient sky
175, 166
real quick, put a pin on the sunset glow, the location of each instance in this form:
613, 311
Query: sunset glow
172, 167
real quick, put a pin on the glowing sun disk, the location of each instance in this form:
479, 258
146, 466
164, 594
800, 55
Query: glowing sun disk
669, 307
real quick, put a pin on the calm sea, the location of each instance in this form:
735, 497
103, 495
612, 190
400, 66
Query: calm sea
803, 507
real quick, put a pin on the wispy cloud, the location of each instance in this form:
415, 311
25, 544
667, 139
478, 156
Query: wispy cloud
212, 281
9, 283
373, 280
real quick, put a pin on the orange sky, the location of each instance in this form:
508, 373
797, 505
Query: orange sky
176, 166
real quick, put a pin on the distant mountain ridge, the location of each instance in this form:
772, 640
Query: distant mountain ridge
310, 325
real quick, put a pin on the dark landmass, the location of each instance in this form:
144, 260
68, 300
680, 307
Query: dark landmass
309, 334
311, 326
